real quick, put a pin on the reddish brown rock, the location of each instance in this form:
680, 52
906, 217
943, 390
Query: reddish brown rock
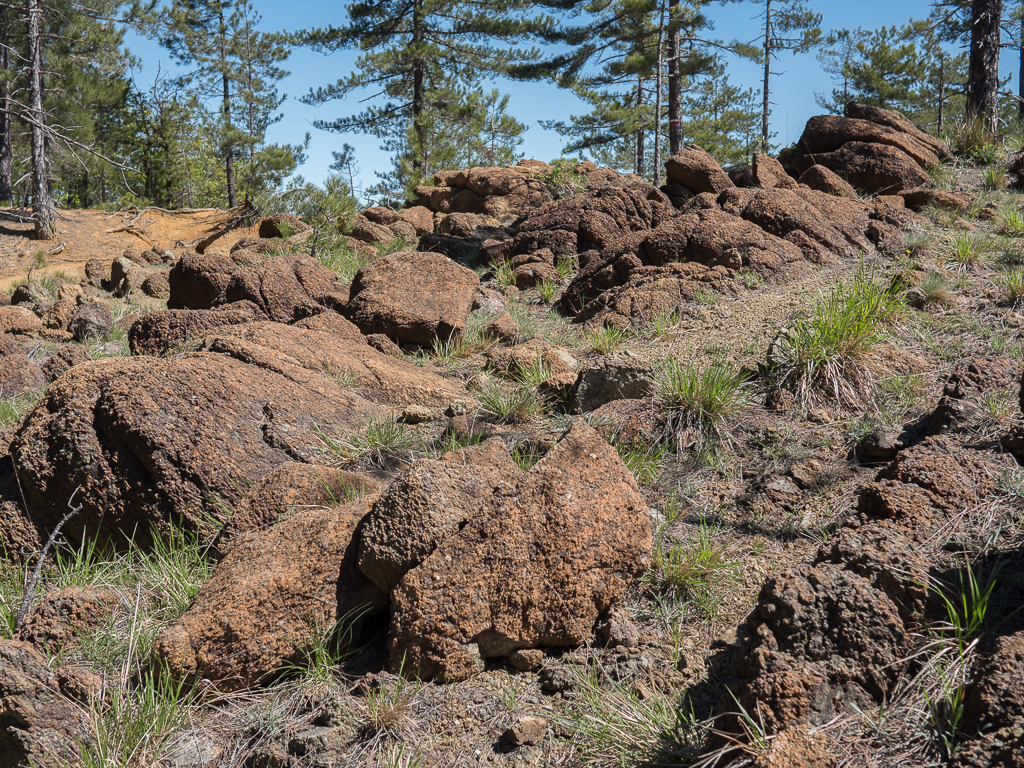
797, 748
166, 330
63, 359
494, 181
921, 197
287, 287
20, 376
630, 423
149, 441
273, 595
898, 121
198, 280
429, 504
421, 219
930, 481
17, 319
821, 179
369, 232
787, 215
91, 321
378, 377
995, 707
59, 617
560, 549
874, 168
291, 488
381, 215
768, 173
413, 297
38, 726
827, 133
697, 170
276, 225
514, 361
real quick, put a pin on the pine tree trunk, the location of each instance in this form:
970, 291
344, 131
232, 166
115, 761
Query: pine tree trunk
1020, 72
640, 130
942, 90
983, 67
675, 81
767, 72
229, 150
657, 98
417, 92
42, 198
6, 155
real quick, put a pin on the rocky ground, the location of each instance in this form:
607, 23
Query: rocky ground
550, 468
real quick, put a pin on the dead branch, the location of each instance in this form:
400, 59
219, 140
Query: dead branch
30, 588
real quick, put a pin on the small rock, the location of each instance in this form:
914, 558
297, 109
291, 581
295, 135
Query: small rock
527, 659
527, 730
95, 273
504, 329
383, 344
91, 321
617, 629
417, 414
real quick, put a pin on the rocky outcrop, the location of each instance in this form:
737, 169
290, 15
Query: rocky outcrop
559, 551
197, 280
429, 503
59, 617
412, 297
827, 133
500, 192
995, 708
282, 225
170, 330
821, 179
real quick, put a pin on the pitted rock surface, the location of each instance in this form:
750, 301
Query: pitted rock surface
560, 549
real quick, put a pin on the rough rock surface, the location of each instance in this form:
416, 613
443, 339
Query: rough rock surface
827, 133
91, 321
59, 617
378, 377
286, 288
874, 168
63, 359
291, 488
412, 297
995, 708
272, 225
695, 169
821, 179
17, 319
271, 596
198, 280
430, 503
513, 362
167, 330
560, 550
622, 376
38, 726
150, 440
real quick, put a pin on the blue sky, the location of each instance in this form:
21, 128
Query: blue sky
792, 90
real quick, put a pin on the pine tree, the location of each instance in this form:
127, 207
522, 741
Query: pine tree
788, 26
417, 54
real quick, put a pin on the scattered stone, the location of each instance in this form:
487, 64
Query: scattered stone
621, 376
59, 617
282, 225
64, 359
418, 414
527, 730
91, 321
527, 659
18, 320
695, 169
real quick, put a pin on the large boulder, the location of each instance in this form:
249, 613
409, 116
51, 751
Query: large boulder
430, 503
898, 121
166, 330
378, 377
145, 443
275, 594
287, 287
198, 280
413, 297
697, 170
38, 726
282, 225
560, 548
827, 133
622, 376
19, 320
874, 168
821, 179
995, 705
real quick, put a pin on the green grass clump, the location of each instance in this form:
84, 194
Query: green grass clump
695, 569
1011, 221
381, 441
966, 250
342, 260
1013, 285
934, 288
509, 404
916, 243
547, 290
604, 339
828, 354
701, 399
994, 177
644, 461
